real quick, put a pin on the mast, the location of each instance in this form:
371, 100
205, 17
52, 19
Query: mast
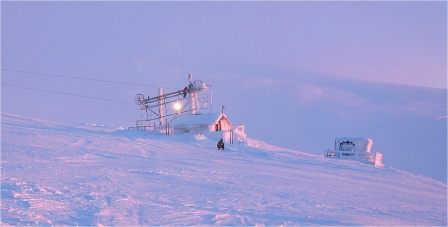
161, 106
193, 96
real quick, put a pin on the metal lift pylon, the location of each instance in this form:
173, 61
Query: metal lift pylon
196, 96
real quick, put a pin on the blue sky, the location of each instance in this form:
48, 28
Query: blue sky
392, 42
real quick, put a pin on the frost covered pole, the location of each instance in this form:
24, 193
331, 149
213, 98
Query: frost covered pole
193, 95
161, 106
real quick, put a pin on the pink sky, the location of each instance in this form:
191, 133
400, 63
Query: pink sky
392, 42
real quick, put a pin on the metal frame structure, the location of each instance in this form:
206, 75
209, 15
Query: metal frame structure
158, 108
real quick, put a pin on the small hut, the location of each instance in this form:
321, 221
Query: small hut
202, 123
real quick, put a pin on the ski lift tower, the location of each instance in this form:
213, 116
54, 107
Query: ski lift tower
163, 108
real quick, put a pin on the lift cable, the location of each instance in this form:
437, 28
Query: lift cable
65, 93
82, 78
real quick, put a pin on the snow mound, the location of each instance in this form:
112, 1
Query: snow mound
200, 137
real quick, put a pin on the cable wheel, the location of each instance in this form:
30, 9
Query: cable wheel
139, 99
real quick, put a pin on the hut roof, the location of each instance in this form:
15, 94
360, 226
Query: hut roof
197, 119
365, 139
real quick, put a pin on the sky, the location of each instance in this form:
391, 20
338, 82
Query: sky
392, 42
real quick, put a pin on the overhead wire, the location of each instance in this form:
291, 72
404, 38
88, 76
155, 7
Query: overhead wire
66, 93
82, 78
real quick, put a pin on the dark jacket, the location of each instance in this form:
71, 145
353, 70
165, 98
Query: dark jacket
220, 144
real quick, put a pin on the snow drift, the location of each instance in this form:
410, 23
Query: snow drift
57, 174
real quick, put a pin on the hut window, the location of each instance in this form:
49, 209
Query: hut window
346, 146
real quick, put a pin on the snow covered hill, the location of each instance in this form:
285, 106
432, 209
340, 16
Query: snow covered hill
306, 111
57, 174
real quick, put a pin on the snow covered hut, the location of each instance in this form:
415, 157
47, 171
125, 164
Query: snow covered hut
203, 123
358, 148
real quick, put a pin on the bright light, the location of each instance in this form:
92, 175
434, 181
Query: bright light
177, 106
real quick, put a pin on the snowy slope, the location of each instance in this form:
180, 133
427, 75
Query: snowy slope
289, 108
61, 174
306, 111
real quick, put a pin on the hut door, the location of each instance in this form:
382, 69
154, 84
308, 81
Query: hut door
218, 126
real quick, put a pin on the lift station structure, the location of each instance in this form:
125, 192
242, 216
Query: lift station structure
156, 113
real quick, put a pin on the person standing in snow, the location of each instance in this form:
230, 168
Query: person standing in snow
220, 144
